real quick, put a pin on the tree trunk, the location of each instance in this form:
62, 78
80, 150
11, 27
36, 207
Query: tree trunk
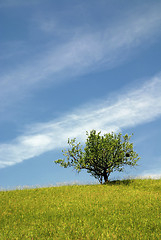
105, 175
101, 180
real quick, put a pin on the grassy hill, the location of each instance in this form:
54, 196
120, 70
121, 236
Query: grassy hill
129, 209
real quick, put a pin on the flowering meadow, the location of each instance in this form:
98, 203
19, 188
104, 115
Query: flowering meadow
128, 209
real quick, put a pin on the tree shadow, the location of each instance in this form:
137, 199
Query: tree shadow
120, 182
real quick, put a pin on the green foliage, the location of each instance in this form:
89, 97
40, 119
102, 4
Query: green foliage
121, 210
101, 155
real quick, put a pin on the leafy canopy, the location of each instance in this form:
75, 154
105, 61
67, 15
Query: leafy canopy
101, 155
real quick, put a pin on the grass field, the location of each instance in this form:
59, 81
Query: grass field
129, 209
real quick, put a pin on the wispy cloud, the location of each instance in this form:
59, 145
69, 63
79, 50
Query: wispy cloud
153, 174
129, 109
85, 52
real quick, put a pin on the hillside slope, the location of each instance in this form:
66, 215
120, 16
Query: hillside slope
128, 209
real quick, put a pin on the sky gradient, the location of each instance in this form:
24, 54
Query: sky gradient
68, 67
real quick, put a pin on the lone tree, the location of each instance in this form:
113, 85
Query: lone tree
101, 155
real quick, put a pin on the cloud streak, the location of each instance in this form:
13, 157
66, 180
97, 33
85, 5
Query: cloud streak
85, 52
129, 109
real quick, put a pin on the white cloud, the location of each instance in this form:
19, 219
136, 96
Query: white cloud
130, 109
85, 52
153, 174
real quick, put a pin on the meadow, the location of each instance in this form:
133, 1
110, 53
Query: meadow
127, 209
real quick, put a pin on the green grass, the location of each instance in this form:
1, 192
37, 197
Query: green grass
129, 209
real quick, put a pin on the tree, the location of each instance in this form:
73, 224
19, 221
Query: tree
101, 155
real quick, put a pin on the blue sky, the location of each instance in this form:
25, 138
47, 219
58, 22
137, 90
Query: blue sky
68, 67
